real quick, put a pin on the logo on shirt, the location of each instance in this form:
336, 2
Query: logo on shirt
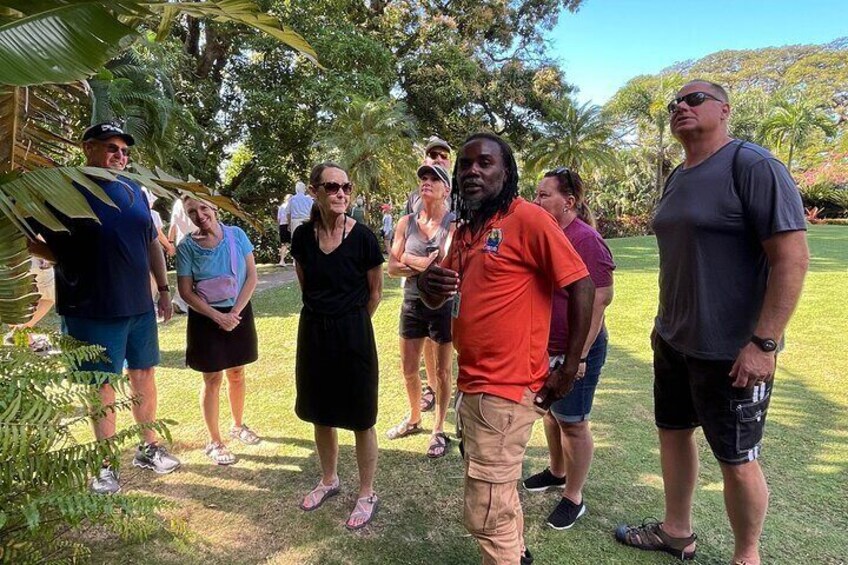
493, 241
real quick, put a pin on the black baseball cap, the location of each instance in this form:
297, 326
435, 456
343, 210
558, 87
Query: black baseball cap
437, 170
106, 130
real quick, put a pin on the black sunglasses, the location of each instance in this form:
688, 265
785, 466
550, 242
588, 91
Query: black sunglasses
334, 187
692, 99
560, 171
113, 148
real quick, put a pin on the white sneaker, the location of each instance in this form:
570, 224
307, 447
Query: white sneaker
156, 458
106, 482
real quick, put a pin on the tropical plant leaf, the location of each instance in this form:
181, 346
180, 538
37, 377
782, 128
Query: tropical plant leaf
82, 38
247, 13
16, 282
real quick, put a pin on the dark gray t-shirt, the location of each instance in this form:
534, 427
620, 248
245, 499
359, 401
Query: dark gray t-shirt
713, 269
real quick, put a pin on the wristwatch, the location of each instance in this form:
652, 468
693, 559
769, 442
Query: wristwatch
767, 344
163, 288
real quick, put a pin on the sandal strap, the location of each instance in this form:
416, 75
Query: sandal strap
361, 509
219, 452
316, 495
404, 428
650, 535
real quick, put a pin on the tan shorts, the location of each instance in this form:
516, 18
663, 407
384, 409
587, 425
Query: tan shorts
495, 432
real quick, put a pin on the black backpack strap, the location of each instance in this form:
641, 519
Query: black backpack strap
734, 168
668, 178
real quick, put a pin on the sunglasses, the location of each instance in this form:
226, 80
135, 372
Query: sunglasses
560, 171
334, 187
112, 148
434, 154
692, 99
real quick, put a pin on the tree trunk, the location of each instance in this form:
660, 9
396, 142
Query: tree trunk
789, 161
660, 161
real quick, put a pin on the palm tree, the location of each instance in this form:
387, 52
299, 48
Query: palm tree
134, 89
373, 140
578, 139
790, 124
641, 103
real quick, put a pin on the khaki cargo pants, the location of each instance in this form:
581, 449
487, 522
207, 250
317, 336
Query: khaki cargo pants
495, 432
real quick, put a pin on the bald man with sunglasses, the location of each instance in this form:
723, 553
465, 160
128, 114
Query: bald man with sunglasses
733, 255
104, 297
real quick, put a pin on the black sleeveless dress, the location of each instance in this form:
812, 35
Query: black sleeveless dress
336, 368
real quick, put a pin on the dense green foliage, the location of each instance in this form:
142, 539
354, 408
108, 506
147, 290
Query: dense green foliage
44, 468
394, 74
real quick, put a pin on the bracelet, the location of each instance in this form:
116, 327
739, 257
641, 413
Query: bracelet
163, 288
584, 359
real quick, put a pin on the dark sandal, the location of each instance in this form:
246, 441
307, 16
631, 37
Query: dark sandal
439, 441
428, 399
650, 537
405, 428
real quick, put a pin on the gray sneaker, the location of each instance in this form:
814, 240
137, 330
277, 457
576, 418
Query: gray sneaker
156, 458
106, 482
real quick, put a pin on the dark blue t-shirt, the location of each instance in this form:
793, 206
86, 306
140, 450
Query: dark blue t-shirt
713, 268
103, 270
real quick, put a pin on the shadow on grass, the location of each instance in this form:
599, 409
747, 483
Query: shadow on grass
249, 512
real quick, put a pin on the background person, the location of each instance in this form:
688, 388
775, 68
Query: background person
179, 227
358, 211
216, 273
285, 232
45, 286
562, 193
300, 207
166, 244
387, 229
339, 268
420, 238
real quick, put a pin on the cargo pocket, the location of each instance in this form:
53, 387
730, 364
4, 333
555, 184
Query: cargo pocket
750, 422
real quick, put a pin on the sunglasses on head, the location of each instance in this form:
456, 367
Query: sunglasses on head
334, 187
560, 171
692, 99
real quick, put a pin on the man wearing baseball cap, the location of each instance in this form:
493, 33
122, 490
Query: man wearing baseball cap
104, 296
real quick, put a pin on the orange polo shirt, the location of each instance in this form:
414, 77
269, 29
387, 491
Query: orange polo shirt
508, 273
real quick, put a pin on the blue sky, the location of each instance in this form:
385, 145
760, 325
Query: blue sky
608, 42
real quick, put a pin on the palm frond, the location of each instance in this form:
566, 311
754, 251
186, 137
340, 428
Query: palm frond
83, 37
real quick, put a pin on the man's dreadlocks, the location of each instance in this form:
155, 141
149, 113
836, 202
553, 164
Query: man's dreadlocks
502, 201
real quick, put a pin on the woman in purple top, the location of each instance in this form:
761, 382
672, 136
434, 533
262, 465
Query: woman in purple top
561, 192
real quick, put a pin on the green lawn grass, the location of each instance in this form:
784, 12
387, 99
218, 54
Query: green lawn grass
248, 513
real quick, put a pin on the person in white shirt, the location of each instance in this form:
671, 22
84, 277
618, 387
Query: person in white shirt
300, 206
285, 233
180, 226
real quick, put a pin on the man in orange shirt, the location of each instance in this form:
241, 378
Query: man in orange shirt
506, 259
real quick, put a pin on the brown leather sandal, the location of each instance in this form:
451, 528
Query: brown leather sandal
649, 536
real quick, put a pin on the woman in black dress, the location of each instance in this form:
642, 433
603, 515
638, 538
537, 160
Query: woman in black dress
339, 267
